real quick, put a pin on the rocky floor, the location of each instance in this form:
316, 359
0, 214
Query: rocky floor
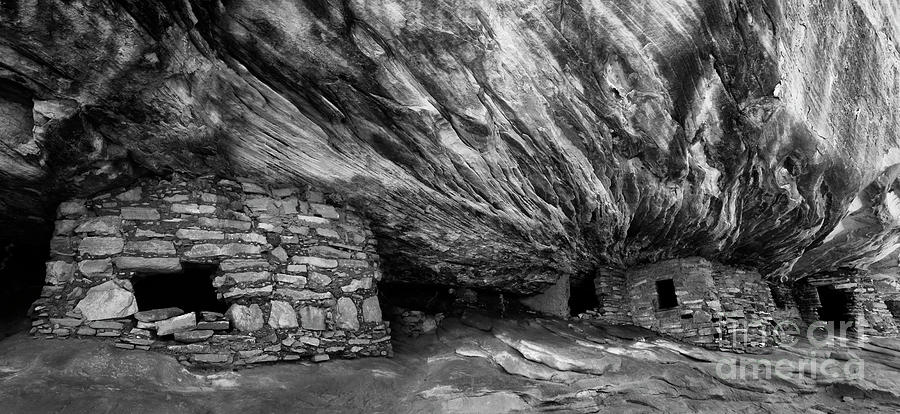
470, 365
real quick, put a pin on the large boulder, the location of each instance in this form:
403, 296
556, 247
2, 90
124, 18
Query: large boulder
107, 301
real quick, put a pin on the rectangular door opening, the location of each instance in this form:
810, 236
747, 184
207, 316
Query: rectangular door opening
835, 304
665, 294
191, 290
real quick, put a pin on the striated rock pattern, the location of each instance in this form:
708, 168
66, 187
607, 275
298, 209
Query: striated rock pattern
492, 144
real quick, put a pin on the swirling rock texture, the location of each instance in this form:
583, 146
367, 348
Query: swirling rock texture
493, 143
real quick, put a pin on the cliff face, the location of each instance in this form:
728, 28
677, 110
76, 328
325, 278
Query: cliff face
492, 143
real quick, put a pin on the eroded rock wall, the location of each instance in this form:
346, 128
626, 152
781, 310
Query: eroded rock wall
493, 144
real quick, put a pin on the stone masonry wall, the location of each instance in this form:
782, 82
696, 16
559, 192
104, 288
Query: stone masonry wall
867, 309
718, 306
611, 290
297, 275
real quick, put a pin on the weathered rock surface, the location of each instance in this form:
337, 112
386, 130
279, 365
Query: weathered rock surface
313, 318
154, 315
346, 317
107, 301
175, 324
193, 336
282, 315
464, 370
149, 264
245, 318
492, 144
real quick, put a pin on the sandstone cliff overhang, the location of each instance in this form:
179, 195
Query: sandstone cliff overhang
491, 144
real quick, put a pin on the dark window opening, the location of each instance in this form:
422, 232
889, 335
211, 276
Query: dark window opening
191, 290
582, 296
834, 304
665, 294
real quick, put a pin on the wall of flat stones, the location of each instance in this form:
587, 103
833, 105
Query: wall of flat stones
786, 308
867, 310
719, 307
611, 290
298, 275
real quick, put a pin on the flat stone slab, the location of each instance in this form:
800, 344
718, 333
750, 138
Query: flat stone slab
193, 336
101, 246
106, 225
158, 247
222, 223
250, 277
303, 294
212, 316
96, 268
213, 250
214, 325
318, 280
193, 209
199, 234
67, 322
148, 264
140, 213
154, 315
107, 301
181, 323
229, 265
315, 261
212, 358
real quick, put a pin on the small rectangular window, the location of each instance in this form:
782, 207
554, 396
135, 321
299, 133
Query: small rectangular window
665, 294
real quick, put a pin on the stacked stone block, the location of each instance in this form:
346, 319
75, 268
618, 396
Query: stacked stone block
748, 307
867, 309
719, 307
298, 275
611, 289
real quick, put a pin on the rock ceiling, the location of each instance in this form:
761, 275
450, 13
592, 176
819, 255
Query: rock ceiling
493, 143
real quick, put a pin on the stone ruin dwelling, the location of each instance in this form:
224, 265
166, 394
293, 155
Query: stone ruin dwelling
848, 295
216, 272
727, 308
691, 299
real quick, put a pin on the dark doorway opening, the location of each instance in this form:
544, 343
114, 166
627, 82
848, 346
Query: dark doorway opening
665, 294
893, 306
582, 296
834, 304
22, 268
191, 290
